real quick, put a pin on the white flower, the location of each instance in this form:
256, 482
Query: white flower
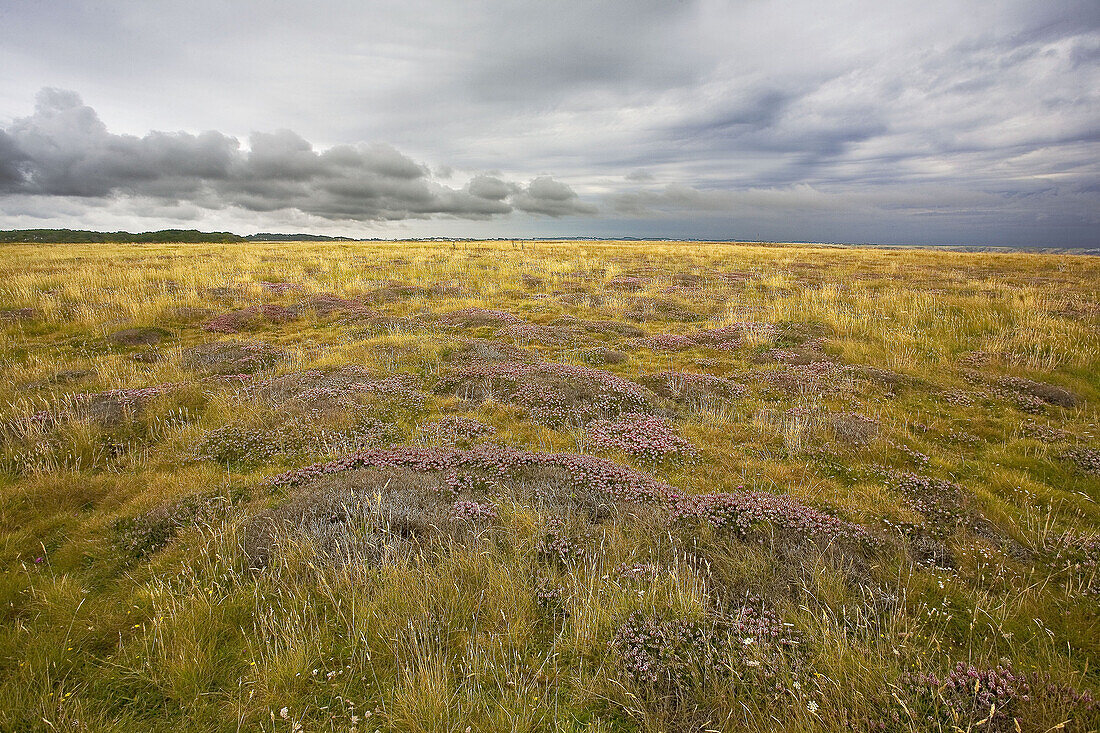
284, 713
811, 706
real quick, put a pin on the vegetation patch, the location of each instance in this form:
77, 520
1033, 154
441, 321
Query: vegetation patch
595, 486
232, 357
554, 394
144, 336
249, 319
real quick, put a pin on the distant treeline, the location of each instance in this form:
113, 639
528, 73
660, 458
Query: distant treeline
164, 235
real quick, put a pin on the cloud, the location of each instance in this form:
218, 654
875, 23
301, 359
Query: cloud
546, 196
11, 158
65, 150
762, 101
1043, 215
489, 187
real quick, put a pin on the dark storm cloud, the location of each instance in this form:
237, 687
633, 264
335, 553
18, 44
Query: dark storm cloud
11, 157
64, 149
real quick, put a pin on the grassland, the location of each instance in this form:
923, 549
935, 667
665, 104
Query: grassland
591, 487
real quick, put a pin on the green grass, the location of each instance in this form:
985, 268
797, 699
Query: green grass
131, 597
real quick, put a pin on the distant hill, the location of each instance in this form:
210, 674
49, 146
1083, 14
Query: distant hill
266, 237
81, 235
164, 235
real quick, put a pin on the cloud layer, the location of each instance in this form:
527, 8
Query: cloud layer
65, 150
882, 120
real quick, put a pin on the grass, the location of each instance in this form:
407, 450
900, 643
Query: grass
155, 575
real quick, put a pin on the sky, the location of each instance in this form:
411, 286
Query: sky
887, 121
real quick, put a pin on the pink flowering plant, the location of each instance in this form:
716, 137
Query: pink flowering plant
968, 697
249, 318
554, 394
644, 437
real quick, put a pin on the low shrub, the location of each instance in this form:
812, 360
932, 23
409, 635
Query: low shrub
554, 394
645, 437
247, 319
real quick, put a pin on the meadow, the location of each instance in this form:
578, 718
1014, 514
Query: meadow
547, 486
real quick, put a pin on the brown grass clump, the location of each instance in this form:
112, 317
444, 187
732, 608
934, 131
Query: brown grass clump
394, 293
368, 515
449, 289
321, 391
601, 355
815, 378
142, 336
581, 298
628, 283
478, 318
601, 327
539, 334
327, 304
532, 282
232, 357
140, 536
808, 352
279, 288
17, 315
61, 378
554, 394
251, 318
487, 350
658, 309
693, 389
226, 293
853, 428
1048, 393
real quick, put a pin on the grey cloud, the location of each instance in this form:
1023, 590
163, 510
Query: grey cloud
64, 149
767, 101
546, 196
571, 47
490, 187
908, 201
11, 158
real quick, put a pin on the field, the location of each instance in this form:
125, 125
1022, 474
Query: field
541, 486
